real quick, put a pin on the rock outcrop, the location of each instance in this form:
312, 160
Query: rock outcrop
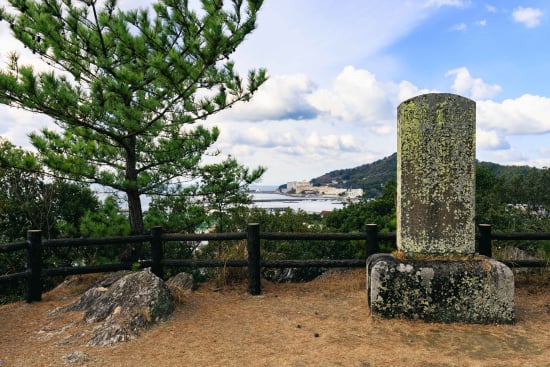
181, 285
182, 282
122, 304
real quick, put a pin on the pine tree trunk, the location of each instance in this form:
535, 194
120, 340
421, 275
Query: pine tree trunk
133, 250
135, 212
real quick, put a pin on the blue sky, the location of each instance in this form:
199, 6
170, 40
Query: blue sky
339, 69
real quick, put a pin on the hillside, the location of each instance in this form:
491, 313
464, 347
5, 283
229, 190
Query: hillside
507, 171
369, 177
372, 176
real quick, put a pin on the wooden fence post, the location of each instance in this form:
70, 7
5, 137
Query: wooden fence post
371, 245
485, 246
34, 265
253, 249
157, 252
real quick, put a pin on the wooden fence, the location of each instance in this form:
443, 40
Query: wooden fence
34, 246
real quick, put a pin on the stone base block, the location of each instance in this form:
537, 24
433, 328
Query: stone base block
470, 291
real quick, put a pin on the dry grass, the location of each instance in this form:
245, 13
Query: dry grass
322, 323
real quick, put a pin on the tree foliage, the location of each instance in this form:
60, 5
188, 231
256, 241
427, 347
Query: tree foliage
515, 203
106, 221
510, 203
222, 192
355, 216
28, 200
224, 189
127, 87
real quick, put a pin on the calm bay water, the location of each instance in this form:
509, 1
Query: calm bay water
309, 205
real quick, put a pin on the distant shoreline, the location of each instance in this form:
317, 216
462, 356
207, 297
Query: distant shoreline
281, 201
275, 190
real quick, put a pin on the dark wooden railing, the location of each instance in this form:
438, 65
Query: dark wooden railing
35, 272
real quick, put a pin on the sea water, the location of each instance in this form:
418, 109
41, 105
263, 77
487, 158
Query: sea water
277, 201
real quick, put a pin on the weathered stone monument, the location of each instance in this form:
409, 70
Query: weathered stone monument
435, 275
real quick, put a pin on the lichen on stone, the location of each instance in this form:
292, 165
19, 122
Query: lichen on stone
436, 175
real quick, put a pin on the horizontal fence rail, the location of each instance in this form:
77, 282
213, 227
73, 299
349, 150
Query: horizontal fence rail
99, 241
11, 247
35, 245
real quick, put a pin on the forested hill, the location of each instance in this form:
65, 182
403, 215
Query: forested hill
370, 177
506, 171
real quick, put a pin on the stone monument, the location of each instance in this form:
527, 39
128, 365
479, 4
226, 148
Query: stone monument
435, 275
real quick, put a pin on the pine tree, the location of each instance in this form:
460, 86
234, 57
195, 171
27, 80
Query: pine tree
128, 88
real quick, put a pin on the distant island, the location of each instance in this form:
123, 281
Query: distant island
304, 188
371, 177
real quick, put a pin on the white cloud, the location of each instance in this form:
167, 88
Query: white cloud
530, 17
280, 98
525, 115
348, 142
272, 135
475, 88
490, 140
439, 3
406, 90
257, 135
490, 8
331, 142
511, 156
481, 23
11, 44
16, 124
459, 27
540, 163
357, 96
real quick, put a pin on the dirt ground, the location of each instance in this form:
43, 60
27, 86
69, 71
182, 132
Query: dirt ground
325, 322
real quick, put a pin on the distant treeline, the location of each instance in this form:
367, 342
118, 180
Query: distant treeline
371, 177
